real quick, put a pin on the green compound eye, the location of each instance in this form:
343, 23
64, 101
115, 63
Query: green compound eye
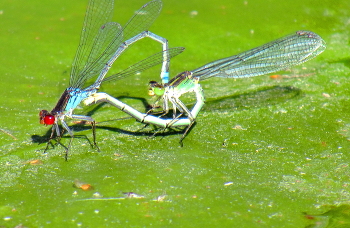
155, 89
158, 91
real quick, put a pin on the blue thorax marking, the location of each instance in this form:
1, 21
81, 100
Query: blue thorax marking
165, 77
76, 95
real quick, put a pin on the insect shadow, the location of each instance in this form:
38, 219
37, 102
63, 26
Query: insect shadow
261, 98
256, 99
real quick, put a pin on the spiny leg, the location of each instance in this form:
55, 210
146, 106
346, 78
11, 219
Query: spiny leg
51, 137
165, 99
183, 109
69, 146
55, 128
70, 132
178, 104
185, 133
93, 125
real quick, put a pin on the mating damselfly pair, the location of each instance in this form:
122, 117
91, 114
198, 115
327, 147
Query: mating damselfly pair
103, 41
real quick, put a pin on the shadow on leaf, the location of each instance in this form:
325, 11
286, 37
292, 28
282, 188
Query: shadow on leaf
345, 61
337, 216
261, 98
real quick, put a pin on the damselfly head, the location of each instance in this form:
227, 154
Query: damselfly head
46, 118
155, 89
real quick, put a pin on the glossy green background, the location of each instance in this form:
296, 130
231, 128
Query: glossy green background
284, 144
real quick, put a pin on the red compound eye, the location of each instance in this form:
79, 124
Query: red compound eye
46, 118
49, 119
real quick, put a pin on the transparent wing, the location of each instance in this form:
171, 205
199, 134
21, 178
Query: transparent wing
142, 19
274, 56
147, 63
109, 37
109, 42
98, 13
106, 34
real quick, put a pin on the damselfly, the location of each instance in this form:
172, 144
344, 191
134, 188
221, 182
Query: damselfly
101, 43
277, 55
